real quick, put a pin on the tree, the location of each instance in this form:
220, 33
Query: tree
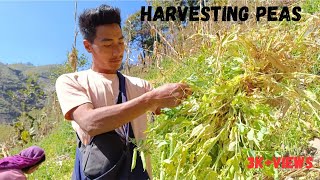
139, 33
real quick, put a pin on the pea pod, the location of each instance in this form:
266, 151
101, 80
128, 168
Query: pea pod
171, 145
134, 159
143, 159
161, 167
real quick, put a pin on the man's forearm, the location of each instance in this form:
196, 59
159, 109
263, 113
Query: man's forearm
108, 118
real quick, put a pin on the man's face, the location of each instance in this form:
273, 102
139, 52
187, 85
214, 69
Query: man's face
107, 48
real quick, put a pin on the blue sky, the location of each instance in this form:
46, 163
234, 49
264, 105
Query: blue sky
41, 32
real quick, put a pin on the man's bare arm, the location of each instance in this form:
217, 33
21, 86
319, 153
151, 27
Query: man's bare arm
104, 119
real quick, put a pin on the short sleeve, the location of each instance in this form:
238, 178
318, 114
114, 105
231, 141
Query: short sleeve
148, 87
70, 94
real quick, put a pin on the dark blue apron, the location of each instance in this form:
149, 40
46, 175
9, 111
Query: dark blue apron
113, 148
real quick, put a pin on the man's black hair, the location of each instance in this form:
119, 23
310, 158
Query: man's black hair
92, 18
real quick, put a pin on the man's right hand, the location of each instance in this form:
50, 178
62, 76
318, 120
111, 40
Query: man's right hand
169, 95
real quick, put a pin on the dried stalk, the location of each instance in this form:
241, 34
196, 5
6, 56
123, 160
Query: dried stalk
73, 56
165, 40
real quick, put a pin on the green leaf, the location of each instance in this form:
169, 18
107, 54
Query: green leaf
241, 127
250, 135
25, 136
310, 95
259, 136
196, 130
167, 161
162, 143
232, 146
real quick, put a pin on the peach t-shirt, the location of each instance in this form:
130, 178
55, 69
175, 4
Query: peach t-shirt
101, 90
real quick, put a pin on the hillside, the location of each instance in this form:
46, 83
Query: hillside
16, 87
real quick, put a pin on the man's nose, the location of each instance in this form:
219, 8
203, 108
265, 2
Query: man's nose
116, 51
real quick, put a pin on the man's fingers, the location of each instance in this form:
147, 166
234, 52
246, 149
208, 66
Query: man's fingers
177, 102
158, 111
188, 91
183, 85
175, 94
183, 92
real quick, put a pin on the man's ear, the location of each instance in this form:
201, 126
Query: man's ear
87, 45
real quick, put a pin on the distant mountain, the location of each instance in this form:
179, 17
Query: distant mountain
14, 83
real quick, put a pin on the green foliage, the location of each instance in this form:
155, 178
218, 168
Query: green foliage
59, 146
22, 88
6, 133
311, 6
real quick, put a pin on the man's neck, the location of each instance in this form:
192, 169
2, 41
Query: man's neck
104, 71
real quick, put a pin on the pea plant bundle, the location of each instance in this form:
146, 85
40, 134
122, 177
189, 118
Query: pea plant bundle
255, 94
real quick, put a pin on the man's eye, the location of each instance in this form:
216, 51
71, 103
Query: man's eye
107, 45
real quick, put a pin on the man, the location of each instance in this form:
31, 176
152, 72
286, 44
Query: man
106, 108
